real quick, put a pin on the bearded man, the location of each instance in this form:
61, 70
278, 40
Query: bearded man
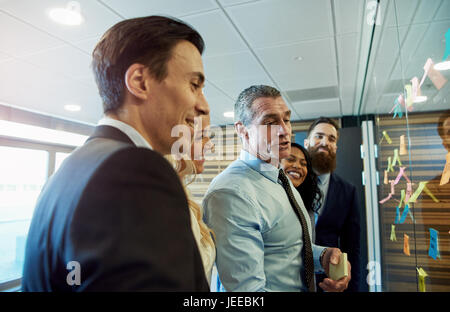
337, 220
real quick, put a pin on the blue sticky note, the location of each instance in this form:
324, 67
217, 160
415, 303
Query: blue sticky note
397, 215
447, 45
433, 252
397, 110
404, 214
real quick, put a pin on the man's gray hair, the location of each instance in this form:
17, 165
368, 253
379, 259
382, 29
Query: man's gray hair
243, 107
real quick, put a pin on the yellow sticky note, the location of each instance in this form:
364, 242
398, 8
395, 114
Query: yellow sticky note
409, 98
425, 188
340, 270
416, 194
422, 275
393, 236
403, 150
385, 177
396, 158
390, 166
406, 245
387, 137
446, 173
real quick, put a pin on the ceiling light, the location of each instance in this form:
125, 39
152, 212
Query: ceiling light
420, 99
70, 15
298, 58
229, 114
442, 65
72, 107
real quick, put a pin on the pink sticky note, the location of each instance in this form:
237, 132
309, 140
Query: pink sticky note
386, 199
415, 87
426, 68
400, 174
392, 186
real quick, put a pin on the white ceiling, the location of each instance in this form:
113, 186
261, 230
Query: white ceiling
44, 65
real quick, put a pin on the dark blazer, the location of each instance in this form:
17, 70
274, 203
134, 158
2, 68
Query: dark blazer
120, 212
339, 224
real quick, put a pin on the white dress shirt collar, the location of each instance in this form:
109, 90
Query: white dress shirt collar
132, 133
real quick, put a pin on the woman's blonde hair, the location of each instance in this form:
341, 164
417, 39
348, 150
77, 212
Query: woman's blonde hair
187, 175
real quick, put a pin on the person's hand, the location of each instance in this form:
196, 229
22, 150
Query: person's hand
332, 255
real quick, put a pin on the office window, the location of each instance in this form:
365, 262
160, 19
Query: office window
23, 173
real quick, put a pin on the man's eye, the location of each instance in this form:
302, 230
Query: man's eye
195, 85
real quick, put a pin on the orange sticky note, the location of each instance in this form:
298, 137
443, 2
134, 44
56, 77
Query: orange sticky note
403, 150
385, 177
446, 173
406, 245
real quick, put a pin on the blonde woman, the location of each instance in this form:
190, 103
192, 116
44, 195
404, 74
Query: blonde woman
187, 169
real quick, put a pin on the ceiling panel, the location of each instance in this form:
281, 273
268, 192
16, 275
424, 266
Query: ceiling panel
269, 23
326, 108
226, 3
347, 46
137, 8
317, 68
348, 16
66, 61
13, 33
97, 19
220, 39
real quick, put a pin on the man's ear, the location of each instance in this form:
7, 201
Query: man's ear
135, 80
306, 143
241, 130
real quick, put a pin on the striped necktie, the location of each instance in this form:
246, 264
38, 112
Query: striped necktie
307, 248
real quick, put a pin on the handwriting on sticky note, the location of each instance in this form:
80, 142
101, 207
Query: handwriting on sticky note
406, 245
446, 173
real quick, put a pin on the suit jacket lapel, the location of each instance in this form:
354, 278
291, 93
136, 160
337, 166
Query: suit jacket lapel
109, 132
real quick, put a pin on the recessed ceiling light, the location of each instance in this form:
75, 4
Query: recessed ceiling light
70, 15
229, 114
442, 65
420, 99
298, 58
72, 107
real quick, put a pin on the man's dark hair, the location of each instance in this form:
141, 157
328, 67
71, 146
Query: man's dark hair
243, 107
309, 189
322, 120
145, 40
440, 126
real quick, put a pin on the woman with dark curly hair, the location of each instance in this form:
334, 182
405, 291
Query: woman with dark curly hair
299, 169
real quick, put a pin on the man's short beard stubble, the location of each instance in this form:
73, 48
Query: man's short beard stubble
322, 162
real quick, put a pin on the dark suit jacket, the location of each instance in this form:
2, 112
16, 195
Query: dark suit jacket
339, 224
120, 212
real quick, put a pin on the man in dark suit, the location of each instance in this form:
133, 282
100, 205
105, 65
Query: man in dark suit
337, 220
115, 217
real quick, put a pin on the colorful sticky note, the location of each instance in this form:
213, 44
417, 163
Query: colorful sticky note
409, 98
403, 150
385, 199
404, 214
447, 45
386, 135
389, 167
385, 181
433, 251
416, 194
435, 76
396, 158
406, 245
422, 275
397, 111
397, 215
400, 174
408, 192
415, 88
446, 173
393, 236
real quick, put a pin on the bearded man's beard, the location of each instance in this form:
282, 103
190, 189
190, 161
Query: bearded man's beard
322, 162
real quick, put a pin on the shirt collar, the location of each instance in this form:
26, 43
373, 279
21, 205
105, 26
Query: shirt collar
267, 170
132, 133
324, 178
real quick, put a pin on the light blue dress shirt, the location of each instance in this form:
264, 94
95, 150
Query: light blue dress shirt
258, 235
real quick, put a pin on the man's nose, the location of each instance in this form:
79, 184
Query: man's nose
202, 106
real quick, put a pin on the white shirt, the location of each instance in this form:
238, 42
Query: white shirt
132, 133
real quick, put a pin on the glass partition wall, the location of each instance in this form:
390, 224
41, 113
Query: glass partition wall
406, 95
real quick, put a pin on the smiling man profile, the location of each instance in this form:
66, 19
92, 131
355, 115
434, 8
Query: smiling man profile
116, 207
